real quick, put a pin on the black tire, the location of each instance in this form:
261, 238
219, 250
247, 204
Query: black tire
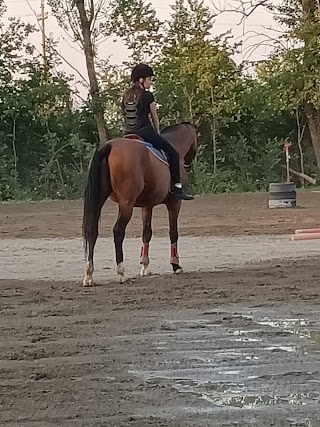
281, 187
288, 195
282, 195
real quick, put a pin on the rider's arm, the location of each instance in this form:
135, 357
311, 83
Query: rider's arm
154, 116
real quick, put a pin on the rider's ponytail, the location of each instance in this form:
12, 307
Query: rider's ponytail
133, 94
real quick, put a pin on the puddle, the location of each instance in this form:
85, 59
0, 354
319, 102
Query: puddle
242, 336
288, 348
285, 323
247, 339
304, 422
254, 360
249, 401
235, 395
302, 327
186, 385
315, 346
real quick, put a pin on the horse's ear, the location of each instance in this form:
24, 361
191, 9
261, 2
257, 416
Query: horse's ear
197, 123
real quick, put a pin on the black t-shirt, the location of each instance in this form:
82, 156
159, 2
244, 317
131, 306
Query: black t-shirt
136, 116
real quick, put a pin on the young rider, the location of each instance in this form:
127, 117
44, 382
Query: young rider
137, 104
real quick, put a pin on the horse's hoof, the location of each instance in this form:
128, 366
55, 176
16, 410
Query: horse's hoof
88, 283
121, 278
120, 273
144, 271
176, 268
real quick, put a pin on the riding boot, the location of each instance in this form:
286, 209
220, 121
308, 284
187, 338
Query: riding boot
180, 194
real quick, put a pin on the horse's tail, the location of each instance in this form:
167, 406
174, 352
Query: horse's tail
98, 189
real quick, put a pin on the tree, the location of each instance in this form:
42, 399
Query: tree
36, 116
84, 21
135, 22
15, 57
91, 22
294, 65
196, 75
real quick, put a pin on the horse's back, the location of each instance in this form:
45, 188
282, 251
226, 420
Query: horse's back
136, 173
127, 151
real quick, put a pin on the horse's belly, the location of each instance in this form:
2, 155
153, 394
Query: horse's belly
152, 196
149, 196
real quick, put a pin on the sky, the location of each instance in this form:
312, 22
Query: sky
257, 32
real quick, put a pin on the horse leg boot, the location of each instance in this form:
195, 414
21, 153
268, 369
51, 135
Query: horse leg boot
146, 237
173, 207
119, 231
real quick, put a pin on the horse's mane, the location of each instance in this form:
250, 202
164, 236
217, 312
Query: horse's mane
175, 126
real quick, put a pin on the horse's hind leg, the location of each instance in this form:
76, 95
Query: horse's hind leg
119, 231
173, 207
88, 279
94, 225
146, 237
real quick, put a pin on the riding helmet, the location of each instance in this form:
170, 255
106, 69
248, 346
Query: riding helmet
141, 71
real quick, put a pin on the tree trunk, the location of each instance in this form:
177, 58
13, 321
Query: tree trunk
14, 135
314, 128
300, 131
308, 8
214, 145
94, 87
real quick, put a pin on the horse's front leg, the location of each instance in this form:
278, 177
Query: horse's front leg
119, 231
173, 207
146, 237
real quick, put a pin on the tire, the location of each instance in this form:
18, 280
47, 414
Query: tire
282, 195
281, 187
282, 203
288, 195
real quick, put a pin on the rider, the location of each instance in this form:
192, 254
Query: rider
137, 103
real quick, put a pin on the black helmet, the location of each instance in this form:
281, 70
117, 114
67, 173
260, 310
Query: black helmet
141, 71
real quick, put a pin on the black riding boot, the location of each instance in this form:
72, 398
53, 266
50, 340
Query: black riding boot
180, 194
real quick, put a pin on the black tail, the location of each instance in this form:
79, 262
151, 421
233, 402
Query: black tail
98, 189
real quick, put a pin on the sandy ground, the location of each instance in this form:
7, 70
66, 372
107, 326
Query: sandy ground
234, 341
63, 259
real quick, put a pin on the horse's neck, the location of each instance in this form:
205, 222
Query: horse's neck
179, 143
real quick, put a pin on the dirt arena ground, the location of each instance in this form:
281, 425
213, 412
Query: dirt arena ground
234, 341
219, 215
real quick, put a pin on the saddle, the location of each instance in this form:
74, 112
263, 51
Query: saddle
160, 154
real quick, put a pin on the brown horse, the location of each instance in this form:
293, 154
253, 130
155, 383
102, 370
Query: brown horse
125, 170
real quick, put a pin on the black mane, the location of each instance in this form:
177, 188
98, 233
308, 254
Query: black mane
176, 125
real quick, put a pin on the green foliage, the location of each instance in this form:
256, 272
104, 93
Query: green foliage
41, 153
135, 22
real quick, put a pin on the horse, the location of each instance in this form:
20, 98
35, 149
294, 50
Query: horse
125, 170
